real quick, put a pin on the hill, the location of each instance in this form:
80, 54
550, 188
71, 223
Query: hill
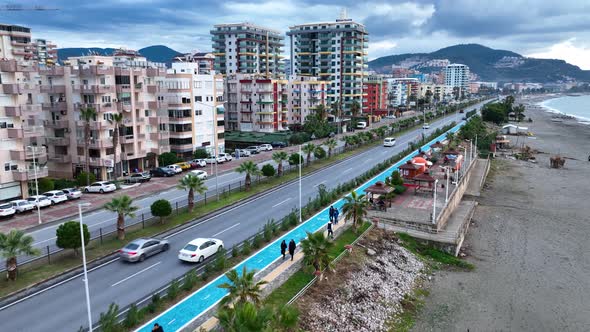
489, 64
155, 53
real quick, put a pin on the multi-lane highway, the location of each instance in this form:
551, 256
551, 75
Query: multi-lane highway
61, 307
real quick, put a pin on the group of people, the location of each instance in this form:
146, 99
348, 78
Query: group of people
291, 248
333, 220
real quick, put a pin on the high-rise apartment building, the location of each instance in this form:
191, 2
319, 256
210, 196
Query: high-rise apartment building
375, 102
334, 51
304, 95
247, 49
206, 61
401, 90
45, 52
21, 132
457, 76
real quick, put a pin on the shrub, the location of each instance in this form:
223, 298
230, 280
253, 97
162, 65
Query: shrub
161, 208
81, 179
295, 159
108, 320
45, 185
167, 158
133, 317
267, 233
400, 189
434, 160
190, 280
234, 251
285, 225
246, 248
201, 154
64, 183
396, 179
299, 138
173, 290
257, 241
268, 170
155, 304
319, 153
220, 260
293, 217
68, 235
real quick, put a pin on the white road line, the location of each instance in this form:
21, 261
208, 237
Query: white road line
134, 274
347, 170
172, 321
214, 235
281, 202
320, 183
206, 297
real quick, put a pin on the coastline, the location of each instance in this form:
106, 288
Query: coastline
540, 102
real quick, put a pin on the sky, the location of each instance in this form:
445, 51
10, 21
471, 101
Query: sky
536, 28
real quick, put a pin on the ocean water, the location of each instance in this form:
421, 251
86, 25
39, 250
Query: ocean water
578, 107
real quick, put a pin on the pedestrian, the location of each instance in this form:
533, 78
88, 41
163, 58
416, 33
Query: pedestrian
330, 231
292, 247
336, 213
283, 248
157, 328
331, 212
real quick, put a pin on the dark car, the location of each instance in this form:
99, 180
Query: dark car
278, 144
462, 111
162, 172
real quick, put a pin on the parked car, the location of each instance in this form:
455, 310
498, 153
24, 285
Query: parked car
140, 249
39, 200
253, 149
212, 160
200, 249
361, 125
241, 152
461, 111
175, 168
100, 187
22, 205
184, 165
265, 147
391, 116
278, 144
389, 141
226, 156
138, 177
56, 196
426, 126
162, 172
6, 210
198, 163
198, 173
72, 193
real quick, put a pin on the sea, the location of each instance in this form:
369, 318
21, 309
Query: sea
576, 106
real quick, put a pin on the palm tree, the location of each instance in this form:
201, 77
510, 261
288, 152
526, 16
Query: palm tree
117, 120
192, 183
321, 112
349, 141
13, 244
285, 319
355, 108
242, 288
355, 208
308, 148
331, 144
279, 157
87, 114
316, 248
122, 205
250, 168
246, 317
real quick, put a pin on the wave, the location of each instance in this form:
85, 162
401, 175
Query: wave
581, 119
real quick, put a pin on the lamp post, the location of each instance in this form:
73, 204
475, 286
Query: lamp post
36, 183
215, 145
84, 264
447, 185
434, 203
300, 207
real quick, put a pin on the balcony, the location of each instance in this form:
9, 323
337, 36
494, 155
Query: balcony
157, 120
181, 147
22, 110
156, 105
52, 71
153, 88
123, 88
53, 89
15, 89
12, 66
96, 70
130, 155
26, 132
60, 158
55, 106
30, 174
27, 154
160, 149
94, 88
185, 119
97, 143
159, 135
56, 124
60, 141
96, 125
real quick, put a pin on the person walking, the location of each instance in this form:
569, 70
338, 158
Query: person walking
330, 231
336, 213
331, 212
292, 247
283, 248
157, 328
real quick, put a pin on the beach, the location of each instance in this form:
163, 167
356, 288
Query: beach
528, 241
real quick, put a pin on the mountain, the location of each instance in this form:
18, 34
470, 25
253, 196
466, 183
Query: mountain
489, 64
155, 53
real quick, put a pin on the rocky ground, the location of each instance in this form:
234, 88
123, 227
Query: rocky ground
365, 290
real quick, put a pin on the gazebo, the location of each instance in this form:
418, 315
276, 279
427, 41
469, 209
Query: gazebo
409, 170
424, 181
377, 190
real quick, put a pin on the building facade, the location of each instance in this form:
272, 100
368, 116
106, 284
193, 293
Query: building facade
375, 102
205, 61
334, 52
457, 77
304, 95
400, 91
45, 52
247, 49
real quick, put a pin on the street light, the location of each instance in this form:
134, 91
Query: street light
84, 264
36, 183
434, 203
300, 162
215, 145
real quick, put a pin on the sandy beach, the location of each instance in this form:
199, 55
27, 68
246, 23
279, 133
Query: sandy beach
529, 243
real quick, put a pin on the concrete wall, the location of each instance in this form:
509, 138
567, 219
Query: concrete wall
455, 198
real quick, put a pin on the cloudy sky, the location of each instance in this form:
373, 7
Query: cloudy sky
539, 28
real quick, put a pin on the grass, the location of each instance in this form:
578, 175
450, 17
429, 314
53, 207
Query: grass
411, 305
433, 254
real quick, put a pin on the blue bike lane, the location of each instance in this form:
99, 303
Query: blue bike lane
192, 307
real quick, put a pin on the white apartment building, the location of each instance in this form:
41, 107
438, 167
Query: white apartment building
248, 49
399, 91
334, 51
457, 76
304, 95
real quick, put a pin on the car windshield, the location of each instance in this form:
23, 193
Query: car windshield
107, 183
48, 194
5, 206
190, 247
132, 246
31, 199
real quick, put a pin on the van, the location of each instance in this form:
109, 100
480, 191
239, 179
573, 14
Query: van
389, 141
361, 125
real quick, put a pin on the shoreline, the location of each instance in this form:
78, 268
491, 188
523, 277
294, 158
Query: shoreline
539, 102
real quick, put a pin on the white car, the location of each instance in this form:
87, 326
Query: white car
390, 116
241, 153
6, 210
426, 126
198, 173
175, 168
101, 187
200, 249
199, 162
389, 141
39, 200
212, 160
72, 193
22, 205
56, 196
226, 156
361, 125
265, 147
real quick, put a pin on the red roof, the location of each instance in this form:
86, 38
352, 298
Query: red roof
424, 177
410, 166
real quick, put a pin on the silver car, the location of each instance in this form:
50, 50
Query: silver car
140, 249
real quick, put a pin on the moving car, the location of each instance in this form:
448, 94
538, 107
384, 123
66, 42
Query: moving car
389, 141
278, 144
226, 156
72, 193
184, 165
56, 196
162, 172
253, 149
140, 249
198, 163
426, 126
39, 200
138, 177
200, 249
175, 168
361, 125
198, 173
22, 205
100, 187
6, 210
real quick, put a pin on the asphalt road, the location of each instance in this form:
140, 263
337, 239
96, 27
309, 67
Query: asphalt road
62, 307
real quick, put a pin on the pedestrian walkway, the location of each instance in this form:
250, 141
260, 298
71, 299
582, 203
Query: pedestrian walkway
478, 177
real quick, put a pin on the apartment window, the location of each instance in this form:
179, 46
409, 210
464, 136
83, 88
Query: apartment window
230, 57
106, 99
85, 82
147, 112
199, 98
198, 84
103, 81
6, 167
186, 100
198, 112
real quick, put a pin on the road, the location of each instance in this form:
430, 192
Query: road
61, 308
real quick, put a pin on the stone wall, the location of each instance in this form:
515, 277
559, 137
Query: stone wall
454, 198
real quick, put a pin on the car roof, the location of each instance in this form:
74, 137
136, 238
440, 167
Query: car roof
199, 241
54, 192
38, 196
19, 201
393, 138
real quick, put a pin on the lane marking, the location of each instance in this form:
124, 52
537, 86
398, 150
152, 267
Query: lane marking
206, 297
317, 185
227, 229
347, 170
172, 321
134, 274
281, 202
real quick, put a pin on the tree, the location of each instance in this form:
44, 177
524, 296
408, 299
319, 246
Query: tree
319, 152
83, 178
167, 158
87, 114
109, 321
519, 112
268, 170
308, 148
331, 144
314, 125
117, 120
242, 288
316, 252
201, 154
496, 113
192, 183
251, 169
279, 157
14, 244
355, 108
246, 317
161, 208
355, 208
121, 205
45, 185
295, 159
68, 235
321, 112
508, 102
